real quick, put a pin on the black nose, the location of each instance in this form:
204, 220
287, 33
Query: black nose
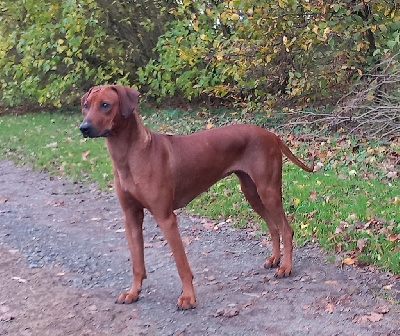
85, 128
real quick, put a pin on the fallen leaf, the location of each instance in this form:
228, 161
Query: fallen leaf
187, 240
393, 237
330, 307
85, 155
209, 125
313, 195
209, 226
227, 312
119, 230
372, 317
381, 309
348, 261
361, 244
248, 304
3, 200
375, 317
331, 282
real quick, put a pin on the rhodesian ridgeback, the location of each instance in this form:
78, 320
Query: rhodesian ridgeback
165, 172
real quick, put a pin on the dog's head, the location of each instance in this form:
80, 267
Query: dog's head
103, 105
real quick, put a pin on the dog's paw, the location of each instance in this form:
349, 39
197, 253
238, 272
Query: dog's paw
128, 297
186, 302
271, 262
282, 272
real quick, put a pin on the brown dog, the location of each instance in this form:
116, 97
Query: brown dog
162, 173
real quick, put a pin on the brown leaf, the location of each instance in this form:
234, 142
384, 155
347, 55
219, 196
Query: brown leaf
85, 155
375, 317
393, 237
187, 240
248, 304
313, 195
209, 226
372, 317
381, 309
361, 244
227, 312
339, 247
330, 307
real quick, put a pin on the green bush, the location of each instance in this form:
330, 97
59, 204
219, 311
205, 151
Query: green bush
256, 52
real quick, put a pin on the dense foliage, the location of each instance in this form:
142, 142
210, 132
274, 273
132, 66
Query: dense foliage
254, 53
51, 51
262, 51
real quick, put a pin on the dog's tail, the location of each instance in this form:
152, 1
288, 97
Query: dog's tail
288, 153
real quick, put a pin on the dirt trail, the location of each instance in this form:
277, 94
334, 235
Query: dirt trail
64, 260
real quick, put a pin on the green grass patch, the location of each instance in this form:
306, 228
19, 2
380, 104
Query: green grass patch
349, 205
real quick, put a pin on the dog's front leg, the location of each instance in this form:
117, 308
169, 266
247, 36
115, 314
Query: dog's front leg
134, 234
169, 226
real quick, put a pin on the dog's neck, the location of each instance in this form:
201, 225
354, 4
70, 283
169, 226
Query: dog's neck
128, 134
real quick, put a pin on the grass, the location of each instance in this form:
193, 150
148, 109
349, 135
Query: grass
350, 205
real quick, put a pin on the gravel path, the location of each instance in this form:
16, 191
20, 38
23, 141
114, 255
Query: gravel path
64, 260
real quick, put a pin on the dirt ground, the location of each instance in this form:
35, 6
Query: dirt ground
64, 260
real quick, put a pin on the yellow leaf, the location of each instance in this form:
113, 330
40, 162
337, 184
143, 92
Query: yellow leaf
209, 125
348, 261
60, 41
235, 17
296, 201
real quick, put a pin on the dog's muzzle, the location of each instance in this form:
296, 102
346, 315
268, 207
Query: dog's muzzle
89, 131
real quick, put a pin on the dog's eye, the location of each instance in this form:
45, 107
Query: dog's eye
105, 105
85, 106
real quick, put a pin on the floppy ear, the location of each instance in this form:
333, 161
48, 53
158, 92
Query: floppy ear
128, 99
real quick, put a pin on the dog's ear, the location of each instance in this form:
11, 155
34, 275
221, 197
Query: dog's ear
128, 99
